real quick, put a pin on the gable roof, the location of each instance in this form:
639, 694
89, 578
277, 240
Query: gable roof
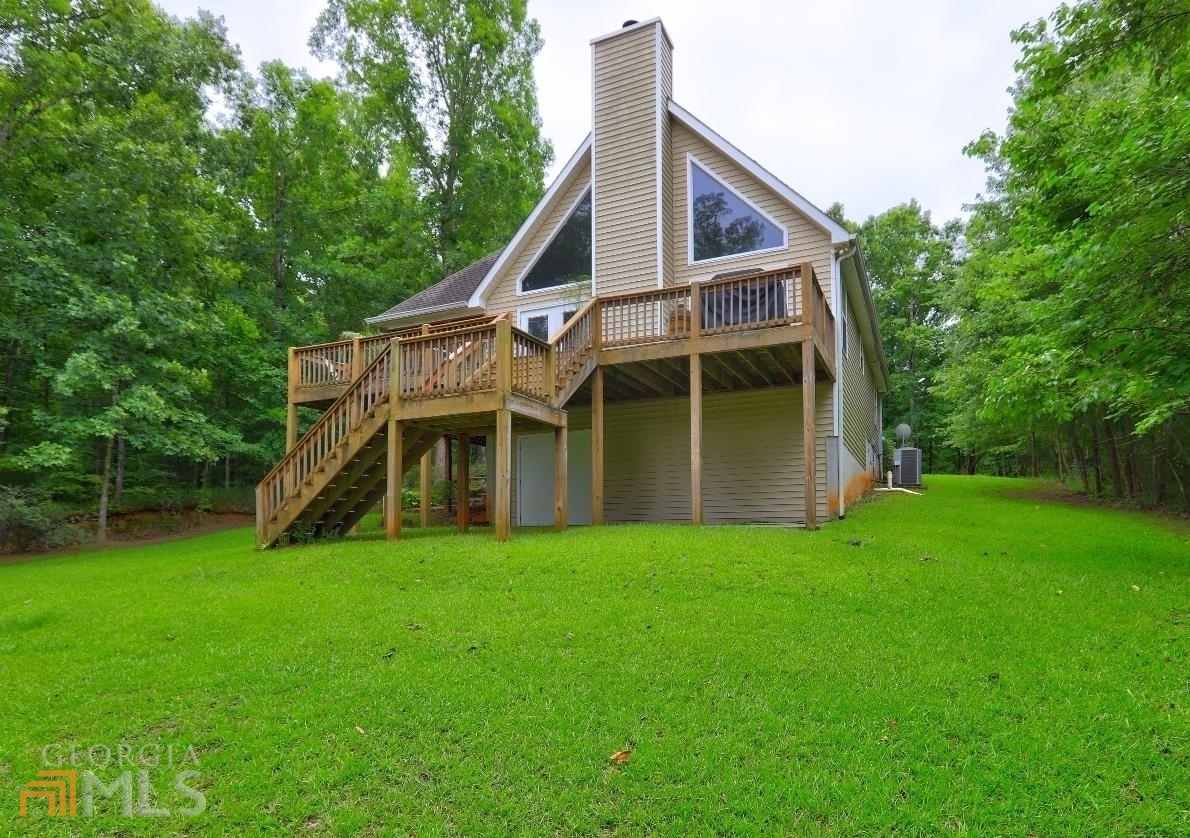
479, 295
838, 233
451, 293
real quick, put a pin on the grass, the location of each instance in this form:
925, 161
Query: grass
969, 662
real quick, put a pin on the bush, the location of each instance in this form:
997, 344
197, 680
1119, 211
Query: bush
27, 522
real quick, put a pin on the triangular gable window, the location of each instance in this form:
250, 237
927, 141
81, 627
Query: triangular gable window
567, 258
722, 223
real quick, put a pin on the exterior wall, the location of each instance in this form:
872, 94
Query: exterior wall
628, 157
503, 296
859, 413
752, 450
806, 241
667, 179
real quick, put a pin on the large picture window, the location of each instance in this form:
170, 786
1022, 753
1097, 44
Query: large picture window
567, 258
723, 224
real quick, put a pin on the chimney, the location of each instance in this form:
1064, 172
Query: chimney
632, 77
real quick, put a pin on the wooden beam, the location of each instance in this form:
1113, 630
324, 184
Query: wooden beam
696, 438
654, 384
427, 487
755, 370
392, 504
776, 363
716, 377
597, 446
809, 444
503, 518
291, 419
449, 473
560, 499
532, 409
464, 493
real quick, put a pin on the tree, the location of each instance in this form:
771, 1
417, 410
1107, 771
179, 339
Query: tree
449, 87
1083, 247
110, 234
911, 264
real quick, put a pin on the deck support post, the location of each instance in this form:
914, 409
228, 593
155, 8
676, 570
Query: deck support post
560, 478
809, 431
291, 418
464, 493
392, 496
597, 446
503, 518
695, 438
427, 486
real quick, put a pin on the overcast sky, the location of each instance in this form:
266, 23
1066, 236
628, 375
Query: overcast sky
866, 102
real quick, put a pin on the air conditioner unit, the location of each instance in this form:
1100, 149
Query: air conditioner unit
907, 466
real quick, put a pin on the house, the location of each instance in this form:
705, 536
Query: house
672, 335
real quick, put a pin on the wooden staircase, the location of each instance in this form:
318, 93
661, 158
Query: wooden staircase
336, 472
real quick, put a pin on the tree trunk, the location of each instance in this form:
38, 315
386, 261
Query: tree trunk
1079, 459
1113, 460
227, 472
1095, 461
10, 377
118, 489
104, 488
1058, 460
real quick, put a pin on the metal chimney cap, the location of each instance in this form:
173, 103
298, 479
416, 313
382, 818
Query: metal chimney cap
628, 23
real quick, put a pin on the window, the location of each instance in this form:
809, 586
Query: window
567, 258
539, 326
723, 224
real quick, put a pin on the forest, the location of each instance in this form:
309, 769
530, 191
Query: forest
171, 221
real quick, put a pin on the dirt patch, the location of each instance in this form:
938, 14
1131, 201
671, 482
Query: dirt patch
1058, 493
137, 528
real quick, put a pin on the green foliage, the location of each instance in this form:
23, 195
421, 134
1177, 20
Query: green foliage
28, 522
1074, 306
967, 661
449, 87
912, 264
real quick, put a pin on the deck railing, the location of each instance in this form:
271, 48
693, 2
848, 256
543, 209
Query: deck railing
329, 432
464, 355
573, 344
531, 366
448, 363
644, 317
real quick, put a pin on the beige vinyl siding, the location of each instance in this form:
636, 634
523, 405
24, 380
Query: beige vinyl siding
625, 160
667, 179
503, 296
752, 457
647, 460
858, 394
807, 242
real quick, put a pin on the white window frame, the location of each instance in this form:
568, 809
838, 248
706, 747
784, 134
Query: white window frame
589, 188
691, 162
558, 308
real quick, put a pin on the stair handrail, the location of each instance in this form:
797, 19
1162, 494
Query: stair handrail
571, 343
339, 420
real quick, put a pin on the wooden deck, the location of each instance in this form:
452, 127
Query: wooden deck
481, 376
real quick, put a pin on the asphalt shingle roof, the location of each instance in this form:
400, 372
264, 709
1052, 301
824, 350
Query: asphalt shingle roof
455, 290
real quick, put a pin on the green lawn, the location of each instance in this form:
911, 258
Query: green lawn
969, 662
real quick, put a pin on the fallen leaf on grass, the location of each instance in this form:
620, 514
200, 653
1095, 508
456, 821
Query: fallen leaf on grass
621, 757
359, 730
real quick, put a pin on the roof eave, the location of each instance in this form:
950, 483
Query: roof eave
421, 315
838, 233
478, 297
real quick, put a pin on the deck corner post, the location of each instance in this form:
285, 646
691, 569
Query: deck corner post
806, 272
504, 357
560, 479
291, 417
695, 310
392, 497
809, 434
503, 518
695, 438
597, 446
464, 493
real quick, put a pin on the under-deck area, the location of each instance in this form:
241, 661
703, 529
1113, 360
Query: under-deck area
388, 399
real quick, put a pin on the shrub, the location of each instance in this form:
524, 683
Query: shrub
27, 522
